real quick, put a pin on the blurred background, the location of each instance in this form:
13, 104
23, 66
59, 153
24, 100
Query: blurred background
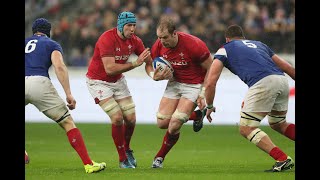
77, 24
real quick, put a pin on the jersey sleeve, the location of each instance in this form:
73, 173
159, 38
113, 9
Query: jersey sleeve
269, 50
221, 55
155, 50
201, 53
105, 45
56, 46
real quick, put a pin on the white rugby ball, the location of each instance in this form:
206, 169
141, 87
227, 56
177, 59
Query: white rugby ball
161, 63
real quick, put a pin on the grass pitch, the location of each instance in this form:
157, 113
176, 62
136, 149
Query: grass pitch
215, 152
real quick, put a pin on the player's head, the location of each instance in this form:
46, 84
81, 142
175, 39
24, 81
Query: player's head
234, 32
125, 18
41, 25
166, 32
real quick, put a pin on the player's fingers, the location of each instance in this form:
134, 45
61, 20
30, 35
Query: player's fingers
209, 118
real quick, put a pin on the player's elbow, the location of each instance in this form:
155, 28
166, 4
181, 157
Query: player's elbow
110, 71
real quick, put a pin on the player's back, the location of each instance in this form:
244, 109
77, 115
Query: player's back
250, 60
38, 50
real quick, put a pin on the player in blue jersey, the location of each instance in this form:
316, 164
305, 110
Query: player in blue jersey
268, 94
40, 53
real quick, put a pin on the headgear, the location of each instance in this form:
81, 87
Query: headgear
125, 18
41, 25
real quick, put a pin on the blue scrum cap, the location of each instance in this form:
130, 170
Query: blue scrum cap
41, 25
125, 18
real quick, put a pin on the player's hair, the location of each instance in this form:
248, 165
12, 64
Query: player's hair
234, 31
125, 18
166, 22
41, 25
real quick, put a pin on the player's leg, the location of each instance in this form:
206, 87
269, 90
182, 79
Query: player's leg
258, 102
127, 107
196, 116
26, 157
112, 109
103, 94
182, 109
277, 117
166, 109
46, 99
61, 115
277, 121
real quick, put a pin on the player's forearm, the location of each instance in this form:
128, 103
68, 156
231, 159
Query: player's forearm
210, 92
116, 69
63, 77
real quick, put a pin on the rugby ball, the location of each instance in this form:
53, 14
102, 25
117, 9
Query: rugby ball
161, 63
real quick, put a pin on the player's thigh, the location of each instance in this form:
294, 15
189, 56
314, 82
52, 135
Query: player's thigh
99, 90
282, 100
260, 97
43, 95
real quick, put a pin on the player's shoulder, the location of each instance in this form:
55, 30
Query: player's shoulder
108, 34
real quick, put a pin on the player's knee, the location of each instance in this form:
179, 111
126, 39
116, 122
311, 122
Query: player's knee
127, 107
59, 114
161, 116
256, 135
276, 120
250, 119
111, 107
181, 116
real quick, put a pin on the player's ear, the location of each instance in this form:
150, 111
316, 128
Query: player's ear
174, 33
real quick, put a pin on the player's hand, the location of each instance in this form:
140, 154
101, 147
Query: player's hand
201, 103
209, 111
142, 58
71, 102
162, 75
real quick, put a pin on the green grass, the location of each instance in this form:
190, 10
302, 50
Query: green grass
216, 152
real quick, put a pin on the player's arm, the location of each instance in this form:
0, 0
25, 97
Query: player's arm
210, 85
62, 74
113, 68
205, 65
156, 74
284, 66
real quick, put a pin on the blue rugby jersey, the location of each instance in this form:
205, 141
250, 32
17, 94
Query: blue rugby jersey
248, 59
38, 49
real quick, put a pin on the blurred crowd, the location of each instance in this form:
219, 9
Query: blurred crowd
78, 24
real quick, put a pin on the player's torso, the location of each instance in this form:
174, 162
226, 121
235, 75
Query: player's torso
186, 68
37, 55
250, 60
118, 48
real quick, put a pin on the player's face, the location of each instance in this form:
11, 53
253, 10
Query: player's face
167, 40
129, 29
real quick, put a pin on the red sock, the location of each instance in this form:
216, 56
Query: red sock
291, 132
118, 139
76, 141
168, 142
195, 115
277, 154
128, 131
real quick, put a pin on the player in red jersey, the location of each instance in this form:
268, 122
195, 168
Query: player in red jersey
190, 59
107, 84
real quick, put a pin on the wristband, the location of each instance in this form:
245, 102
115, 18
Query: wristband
203, 90
210, 106
134, 63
